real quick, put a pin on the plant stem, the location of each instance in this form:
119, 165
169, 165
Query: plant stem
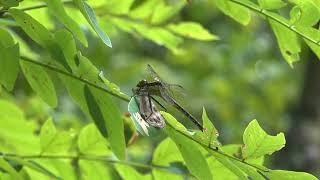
216, 150
57, 70
94, 158
266, 14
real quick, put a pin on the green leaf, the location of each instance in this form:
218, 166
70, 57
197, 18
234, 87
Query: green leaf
34, 166
166, 153
219, 171
6, 39
210, 132
13, 139
165, 10
66, 42
127, 172
9, 65
9, 60
251, 172
94, 170
226, 162
40, 82
192, 30
53, 141
315, 35
300, 14
107, 119
287, 40
160, 36
271, 4
289, 175
90, 141
33, 28
4, 165
258, 143
118, 7
239, 13
95, 111
190, 151
75, 90
57, 9
89, 14
144, 10
9, 3
39, 34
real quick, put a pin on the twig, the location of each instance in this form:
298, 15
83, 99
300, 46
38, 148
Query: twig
94, 158
55, 69
265, 13
218, 151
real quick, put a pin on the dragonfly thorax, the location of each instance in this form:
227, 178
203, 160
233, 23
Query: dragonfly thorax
142, 83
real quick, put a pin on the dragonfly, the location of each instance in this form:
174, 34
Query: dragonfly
144, 113
146, 90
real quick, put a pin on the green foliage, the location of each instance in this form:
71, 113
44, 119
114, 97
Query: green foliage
9, 169
89, 14
40, 82
235, 11
56, 8
90, 141
47, 54
258, 143
53, 142
191, 154
107, 118
9, 55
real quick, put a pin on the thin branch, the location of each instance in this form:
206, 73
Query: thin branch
218, 151
57, 70
94, 158
266, 14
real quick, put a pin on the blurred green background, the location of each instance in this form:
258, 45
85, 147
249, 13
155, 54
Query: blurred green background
238, 78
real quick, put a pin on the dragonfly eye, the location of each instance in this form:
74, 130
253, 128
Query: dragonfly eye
142, 83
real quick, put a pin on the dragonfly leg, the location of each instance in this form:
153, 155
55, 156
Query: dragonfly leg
135, 99
165, 109
149, 99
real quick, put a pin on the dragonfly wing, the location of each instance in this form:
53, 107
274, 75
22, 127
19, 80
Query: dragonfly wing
153, 73
173, 90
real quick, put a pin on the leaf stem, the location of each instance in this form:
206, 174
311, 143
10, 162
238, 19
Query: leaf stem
266, 14
216, 150
106, 159
57, 70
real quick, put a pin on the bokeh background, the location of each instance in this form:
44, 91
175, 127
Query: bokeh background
238, 78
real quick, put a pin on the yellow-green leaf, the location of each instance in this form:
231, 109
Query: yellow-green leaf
53, 141
9, 65
56, 7
39, 34
271, 4
40, 82
166, 153
258, 143
287, 40
190, 151
90, 141
89, 14
192, 30
107, 119
289, 175
128, 172
235, 11
4, 165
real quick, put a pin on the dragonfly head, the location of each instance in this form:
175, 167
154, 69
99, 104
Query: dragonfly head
142, 83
